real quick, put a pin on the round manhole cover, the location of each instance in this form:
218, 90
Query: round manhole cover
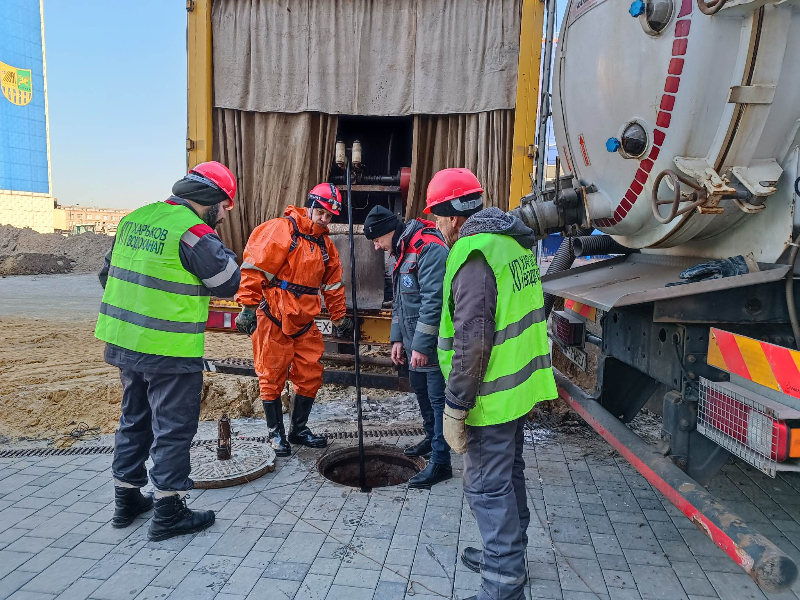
250, 461
383, 466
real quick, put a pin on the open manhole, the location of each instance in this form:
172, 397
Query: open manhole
383, 466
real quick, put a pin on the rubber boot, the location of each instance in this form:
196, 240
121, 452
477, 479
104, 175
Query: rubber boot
299, 433
129, 503
172, 517
423, 448
431, 475
276, 435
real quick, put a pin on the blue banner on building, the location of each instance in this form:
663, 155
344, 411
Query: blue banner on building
23, 113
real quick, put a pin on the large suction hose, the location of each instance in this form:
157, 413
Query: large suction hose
592, 245
561, 262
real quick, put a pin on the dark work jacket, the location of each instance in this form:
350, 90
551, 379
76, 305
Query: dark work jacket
417, 308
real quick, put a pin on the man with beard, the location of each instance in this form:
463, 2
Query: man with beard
494, 353
165, 263
289, 262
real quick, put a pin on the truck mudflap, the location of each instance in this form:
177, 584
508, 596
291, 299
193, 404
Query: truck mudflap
767, 564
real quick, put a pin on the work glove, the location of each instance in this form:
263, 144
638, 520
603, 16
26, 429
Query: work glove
246, 321
715, 269
343, 328
455, 429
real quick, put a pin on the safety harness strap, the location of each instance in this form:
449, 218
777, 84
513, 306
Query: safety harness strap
264, 306
294, 288
423, 237
319, 241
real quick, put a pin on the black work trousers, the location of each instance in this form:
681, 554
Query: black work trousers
160, 414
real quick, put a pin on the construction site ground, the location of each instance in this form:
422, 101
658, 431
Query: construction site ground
598, 529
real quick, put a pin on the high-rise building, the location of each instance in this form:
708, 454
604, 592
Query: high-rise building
26, 198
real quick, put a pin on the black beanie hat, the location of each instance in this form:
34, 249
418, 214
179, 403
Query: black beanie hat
380, 221
189, 188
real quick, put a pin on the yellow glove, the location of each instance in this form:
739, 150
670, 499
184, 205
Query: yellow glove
455, 430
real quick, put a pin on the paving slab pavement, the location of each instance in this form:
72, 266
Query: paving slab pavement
598, 531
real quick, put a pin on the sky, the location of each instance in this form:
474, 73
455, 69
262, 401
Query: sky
116, 79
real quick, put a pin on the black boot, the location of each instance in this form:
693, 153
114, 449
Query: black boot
129, 504
471, 558
299, 433
276, 434
423, 448
172, 517
431, 475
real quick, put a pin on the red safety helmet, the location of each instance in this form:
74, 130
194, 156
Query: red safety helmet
450, 184
216, 175
327, 196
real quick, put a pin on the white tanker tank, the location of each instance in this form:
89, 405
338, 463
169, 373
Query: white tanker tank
657, 86
677, 124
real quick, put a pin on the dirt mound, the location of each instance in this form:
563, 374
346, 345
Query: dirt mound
54, 382
55, 385
35, 264
26, 252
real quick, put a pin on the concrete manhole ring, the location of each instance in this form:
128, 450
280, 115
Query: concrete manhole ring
250, 461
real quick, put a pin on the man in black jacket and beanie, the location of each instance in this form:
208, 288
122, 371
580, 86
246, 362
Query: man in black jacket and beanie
418, 276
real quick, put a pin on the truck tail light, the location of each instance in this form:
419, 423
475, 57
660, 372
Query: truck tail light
569, 329
746, 425
224, 320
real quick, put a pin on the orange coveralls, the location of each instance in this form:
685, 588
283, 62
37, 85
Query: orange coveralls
267, 258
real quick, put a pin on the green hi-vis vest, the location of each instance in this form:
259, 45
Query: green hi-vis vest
519, 373
151, 303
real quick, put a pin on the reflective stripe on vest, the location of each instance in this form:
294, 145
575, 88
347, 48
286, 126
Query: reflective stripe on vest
151, 304
519, 373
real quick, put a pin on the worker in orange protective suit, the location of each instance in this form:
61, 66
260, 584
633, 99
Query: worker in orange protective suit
288, 261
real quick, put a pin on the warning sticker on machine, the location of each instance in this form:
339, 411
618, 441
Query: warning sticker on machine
580, 8
584, 151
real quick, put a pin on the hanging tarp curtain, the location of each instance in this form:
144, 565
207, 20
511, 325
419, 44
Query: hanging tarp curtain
480, 142
365, 57
276, 157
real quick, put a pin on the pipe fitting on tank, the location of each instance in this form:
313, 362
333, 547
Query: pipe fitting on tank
637, 8
613, 144
598, 206
546, 217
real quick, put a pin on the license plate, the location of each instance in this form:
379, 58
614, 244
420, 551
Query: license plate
325, 326
576, 355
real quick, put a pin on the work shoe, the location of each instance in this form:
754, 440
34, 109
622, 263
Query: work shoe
471, 558
299, 433
423, 448
431, 475
172, 517
129, 503
276, 434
